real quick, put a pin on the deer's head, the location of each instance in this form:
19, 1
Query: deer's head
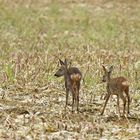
107, 73
63, 68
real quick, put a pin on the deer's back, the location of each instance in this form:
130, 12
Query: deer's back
117, 84
74, 70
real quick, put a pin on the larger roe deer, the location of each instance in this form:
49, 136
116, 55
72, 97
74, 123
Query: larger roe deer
72, 77
116, 86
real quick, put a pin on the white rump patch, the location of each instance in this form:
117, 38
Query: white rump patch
75, 77
125, 83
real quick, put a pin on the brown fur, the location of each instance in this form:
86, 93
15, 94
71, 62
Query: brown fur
116, 86
72, 77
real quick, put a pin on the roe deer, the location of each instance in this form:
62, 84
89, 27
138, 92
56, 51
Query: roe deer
72, 77
116, 86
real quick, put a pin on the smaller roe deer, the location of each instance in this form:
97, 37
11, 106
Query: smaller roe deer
72, 77
116, 86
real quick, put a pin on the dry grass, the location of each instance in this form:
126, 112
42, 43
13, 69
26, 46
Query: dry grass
34, 34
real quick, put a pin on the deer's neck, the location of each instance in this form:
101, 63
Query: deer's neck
108, 79
67, 78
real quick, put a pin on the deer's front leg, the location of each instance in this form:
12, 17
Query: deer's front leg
67, 95
107, 98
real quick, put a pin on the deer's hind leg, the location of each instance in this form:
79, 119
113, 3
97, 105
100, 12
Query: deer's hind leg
118, 104
128, 99
77, 99
77, 95
73, 100
124, 101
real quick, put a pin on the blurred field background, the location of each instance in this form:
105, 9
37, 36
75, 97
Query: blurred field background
34, 34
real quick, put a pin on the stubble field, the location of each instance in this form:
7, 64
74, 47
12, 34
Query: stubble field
34, 35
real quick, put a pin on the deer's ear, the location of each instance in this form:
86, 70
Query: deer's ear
61, 62
111, 68
104, 68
